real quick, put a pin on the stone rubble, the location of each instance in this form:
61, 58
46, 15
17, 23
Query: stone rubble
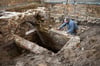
11, 21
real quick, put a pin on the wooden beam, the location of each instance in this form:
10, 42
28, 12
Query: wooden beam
31, 46
63, 33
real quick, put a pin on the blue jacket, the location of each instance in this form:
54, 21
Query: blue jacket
71, 25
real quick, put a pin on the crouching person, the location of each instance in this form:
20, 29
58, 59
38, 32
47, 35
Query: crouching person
71, 26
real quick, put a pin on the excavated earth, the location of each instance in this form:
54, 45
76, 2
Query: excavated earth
90, 43
59, 50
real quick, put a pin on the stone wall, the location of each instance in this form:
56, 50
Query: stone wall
84, 10
80, 12
85, 13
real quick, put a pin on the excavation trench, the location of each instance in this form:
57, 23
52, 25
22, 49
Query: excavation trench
49, 40
46, 38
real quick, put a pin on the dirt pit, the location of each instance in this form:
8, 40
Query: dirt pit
45, 38
49, 40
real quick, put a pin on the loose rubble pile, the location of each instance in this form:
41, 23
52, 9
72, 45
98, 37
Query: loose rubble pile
16, 23
11, 21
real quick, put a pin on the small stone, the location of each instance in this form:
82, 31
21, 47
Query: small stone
82, 49
42, 64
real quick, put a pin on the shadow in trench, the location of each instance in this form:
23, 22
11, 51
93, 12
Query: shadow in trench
45, 40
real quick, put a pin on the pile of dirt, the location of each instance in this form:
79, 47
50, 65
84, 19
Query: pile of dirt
90, 43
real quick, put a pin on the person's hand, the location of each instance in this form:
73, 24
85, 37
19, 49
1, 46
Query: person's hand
67, 32
58, 28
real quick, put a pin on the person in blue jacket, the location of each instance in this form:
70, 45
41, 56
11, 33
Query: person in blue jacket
71, 25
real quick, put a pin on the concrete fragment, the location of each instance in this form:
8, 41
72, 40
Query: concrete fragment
19, 63
42, 64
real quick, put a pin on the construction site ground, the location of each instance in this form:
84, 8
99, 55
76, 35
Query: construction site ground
30, 38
